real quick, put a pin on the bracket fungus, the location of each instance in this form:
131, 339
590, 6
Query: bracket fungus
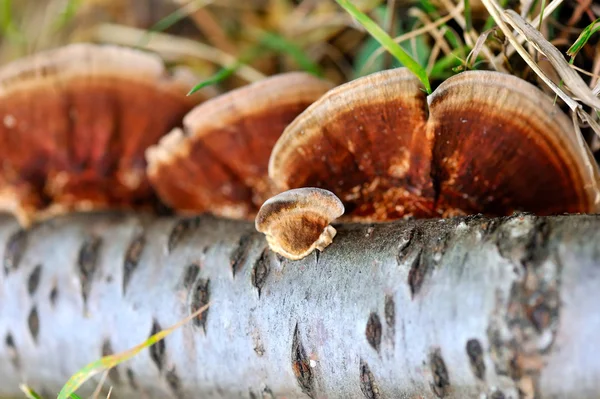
296, 222
74, 125
218, 162
482, 142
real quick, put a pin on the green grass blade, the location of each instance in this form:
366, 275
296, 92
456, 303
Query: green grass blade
583, 38
539, 27
468, 16
227, 71
67, 14
221, 75
268, 41
387, 42
7, 24
5, 15
29, 393
279, 44
108, 362
445, 66
165, 23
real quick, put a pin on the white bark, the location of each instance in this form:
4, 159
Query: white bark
465, 308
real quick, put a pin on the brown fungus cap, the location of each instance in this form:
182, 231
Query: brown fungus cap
218, 162
483, 142
74, 125
296, 222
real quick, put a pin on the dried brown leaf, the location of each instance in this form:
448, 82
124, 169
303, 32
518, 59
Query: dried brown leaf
570, 77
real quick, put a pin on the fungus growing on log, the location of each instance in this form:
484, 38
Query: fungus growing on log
74, 125
296, 222
482, 142
218, 162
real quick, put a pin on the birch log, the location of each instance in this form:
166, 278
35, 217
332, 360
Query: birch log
461, 308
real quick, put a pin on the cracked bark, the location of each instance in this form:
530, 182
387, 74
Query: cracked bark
416, 309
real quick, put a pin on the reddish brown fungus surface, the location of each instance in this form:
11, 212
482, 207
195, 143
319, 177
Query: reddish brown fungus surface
482, 142
74, 125
218, 162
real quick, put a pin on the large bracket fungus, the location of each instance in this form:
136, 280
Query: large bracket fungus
74, 125
218, 162
483, 142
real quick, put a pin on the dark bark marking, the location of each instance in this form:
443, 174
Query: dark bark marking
537, 249
260, 271
373, 331
267, 393
131, 379
422, 250
438, 247
390, 312
33, 322
411, 250
475, 354
200, 296
180, 230
405, 247
11, 350
499, 353
132, 258
301, 366
441, 381
34, 280
113, 373
390, 318
541, 316
14, 250
497, 395
416, 274
258, 346
368, 386
486, 226
174, 381
280, 258
86, 261
240, 253
532, 308
504, 240
157, 351
53, 294
190, 275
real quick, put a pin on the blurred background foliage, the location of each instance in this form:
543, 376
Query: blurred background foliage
256, 38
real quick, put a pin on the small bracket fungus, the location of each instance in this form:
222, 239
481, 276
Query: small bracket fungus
74, 125
297, 221
218, 162
482, 142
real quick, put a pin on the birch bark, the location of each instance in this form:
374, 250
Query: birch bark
462, 308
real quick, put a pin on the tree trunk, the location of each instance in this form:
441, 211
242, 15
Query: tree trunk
461, 308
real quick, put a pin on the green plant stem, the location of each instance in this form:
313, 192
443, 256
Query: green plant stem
387, 42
